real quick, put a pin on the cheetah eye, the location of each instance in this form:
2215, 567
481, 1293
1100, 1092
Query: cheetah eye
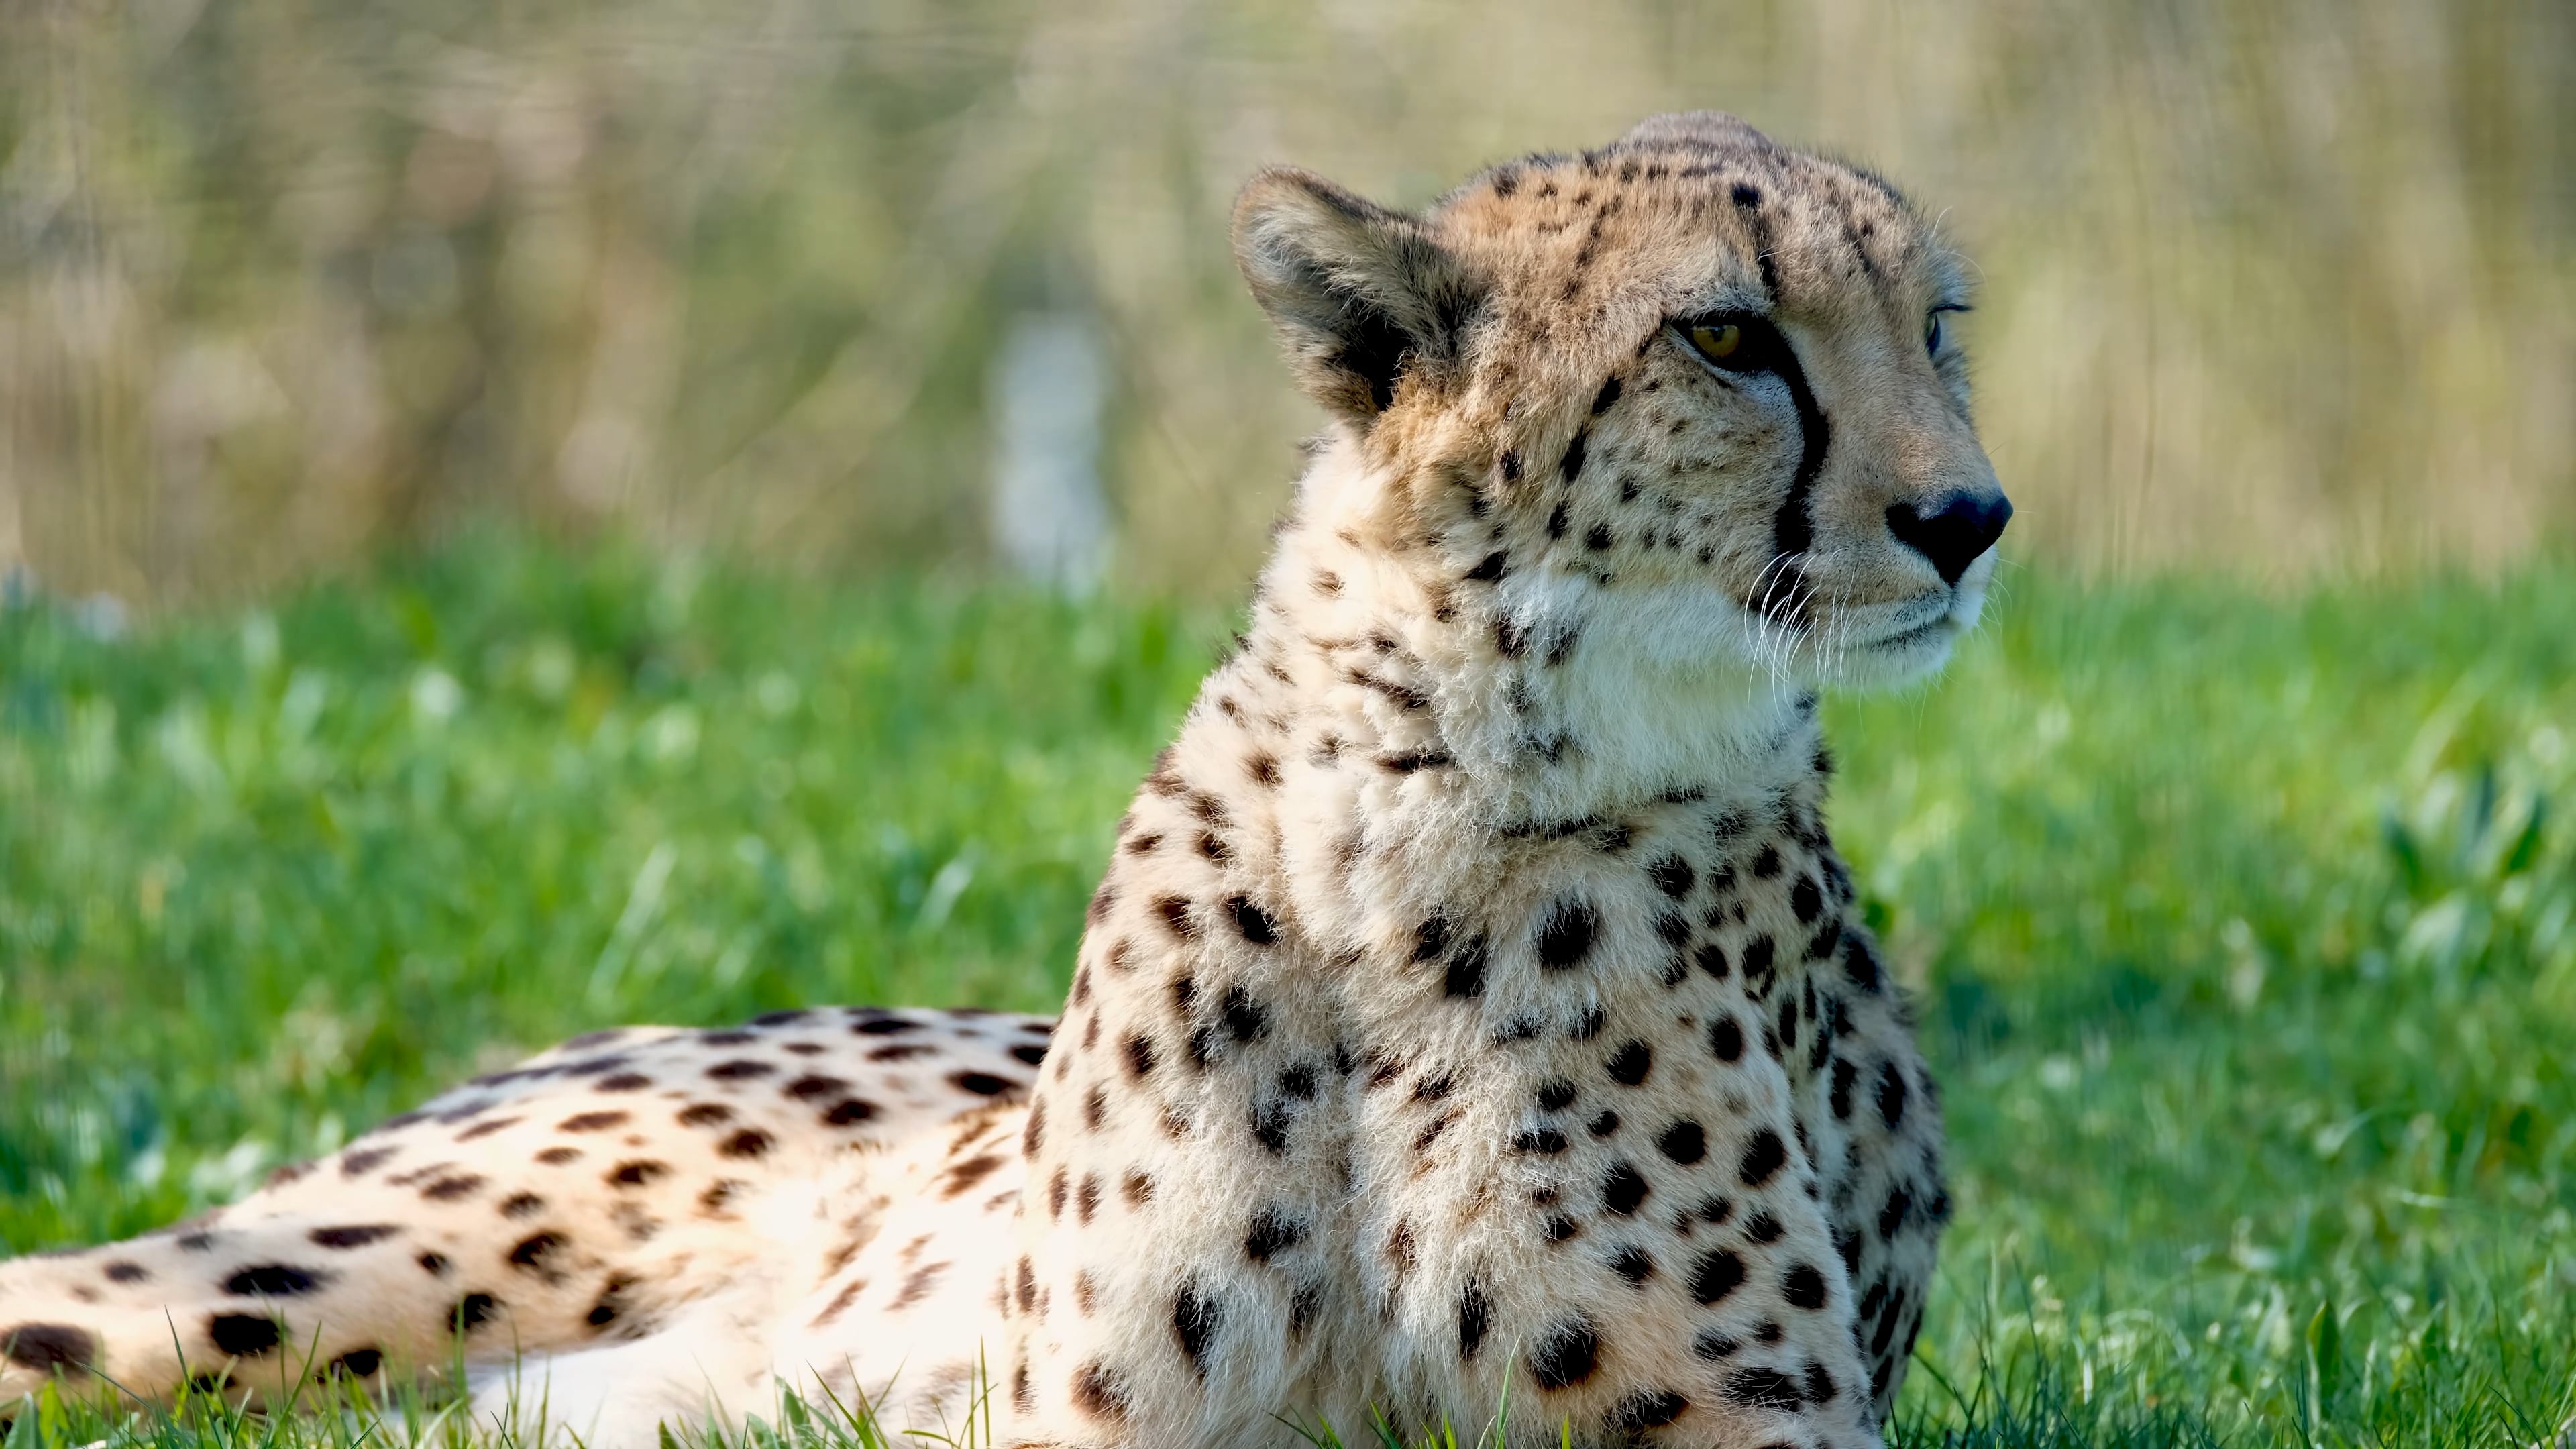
1932, 331
1733, 341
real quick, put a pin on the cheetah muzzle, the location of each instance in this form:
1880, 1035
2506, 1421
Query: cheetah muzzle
1473, 1010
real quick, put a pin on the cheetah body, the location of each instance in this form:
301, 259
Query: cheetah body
1474, 1017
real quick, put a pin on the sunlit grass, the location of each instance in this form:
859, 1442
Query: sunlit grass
2244, 930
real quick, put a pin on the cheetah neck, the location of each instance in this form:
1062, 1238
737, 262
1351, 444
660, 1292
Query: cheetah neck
1537, 697
1387, 739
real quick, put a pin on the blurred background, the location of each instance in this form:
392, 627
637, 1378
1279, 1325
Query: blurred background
2271, 287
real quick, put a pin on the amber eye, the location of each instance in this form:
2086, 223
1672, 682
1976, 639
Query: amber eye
1717, 341
1932, 334
1733, 341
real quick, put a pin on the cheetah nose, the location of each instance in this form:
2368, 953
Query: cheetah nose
1963, 526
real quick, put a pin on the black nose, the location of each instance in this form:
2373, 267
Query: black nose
1954, 533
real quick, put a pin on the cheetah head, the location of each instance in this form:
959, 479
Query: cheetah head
1694, 378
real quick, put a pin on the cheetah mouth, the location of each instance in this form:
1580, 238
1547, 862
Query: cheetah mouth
1940, 628
1928, 623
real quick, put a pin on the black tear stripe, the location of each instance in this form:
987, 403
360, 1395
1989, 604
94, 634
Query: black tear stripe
1793, 530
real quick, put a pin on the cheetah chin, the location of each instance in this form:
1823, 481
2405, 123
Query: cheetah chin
1473, 1011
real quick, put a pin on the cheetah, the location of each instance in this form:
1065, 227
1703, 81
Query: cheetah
1474, 1017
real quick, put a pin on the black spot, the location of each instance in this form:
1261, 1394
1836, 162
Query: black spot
1270, 1126
1597, 537
1488, 569
53, 1347
357, 1363
1558, 1227
1763, 1156
448, 1189
355, 1235
1030, 1052
1807, 900
137, 1273
1566, 1355
1860, 964
1716, 1275
1555, 1096
1194, 1322
1565, 933
1629, 1066
1891, 1095
1763, 1388
1572, 466
1245, 1018
1672, 875
1465, 977
1140, 1054
1253, 922
1648, 1409
1545, 1141
1711, 958
1510, 463
1475, 1318
1603, 1125
1430, 938
1725, 1039
243, 1335
1634, 1264
1817, 1385
1622, 1188
610, 1305
274, 1280
1804, 1287
1683, 1142
1714, 1345
847, 1113
1891, 1215
1758, 952
739, 1069
1767, 863
638, 1173
885, 1026
1273, 1231
1556, 520
1845, 1076
1608, 395
1762, 1228
471, 1312
1589, 1025
532, 1251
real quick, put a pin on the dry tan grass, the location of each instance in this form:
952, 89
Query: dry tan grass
2277, 286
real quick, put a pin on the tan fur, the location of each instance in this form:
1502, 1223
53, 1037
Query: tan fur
1474, 1008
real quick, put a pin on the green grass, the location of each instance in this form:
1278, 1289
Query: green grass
2245, 928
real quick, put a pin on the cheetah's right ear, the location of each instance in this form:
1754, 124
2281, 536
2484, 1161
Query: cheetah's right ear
1362, 296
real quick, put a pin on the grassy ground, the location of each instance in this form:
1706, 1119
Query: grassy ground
2246, 929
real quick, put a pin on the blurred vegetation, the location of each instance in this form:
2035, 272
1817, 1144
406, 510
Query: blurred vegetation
2244, 930
2272, 285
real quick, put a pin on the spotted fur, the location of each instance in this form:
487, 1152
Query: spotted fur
1474, 1007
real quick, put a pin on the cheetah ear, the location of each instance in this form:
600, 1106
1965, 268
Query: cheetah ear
1362, 296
